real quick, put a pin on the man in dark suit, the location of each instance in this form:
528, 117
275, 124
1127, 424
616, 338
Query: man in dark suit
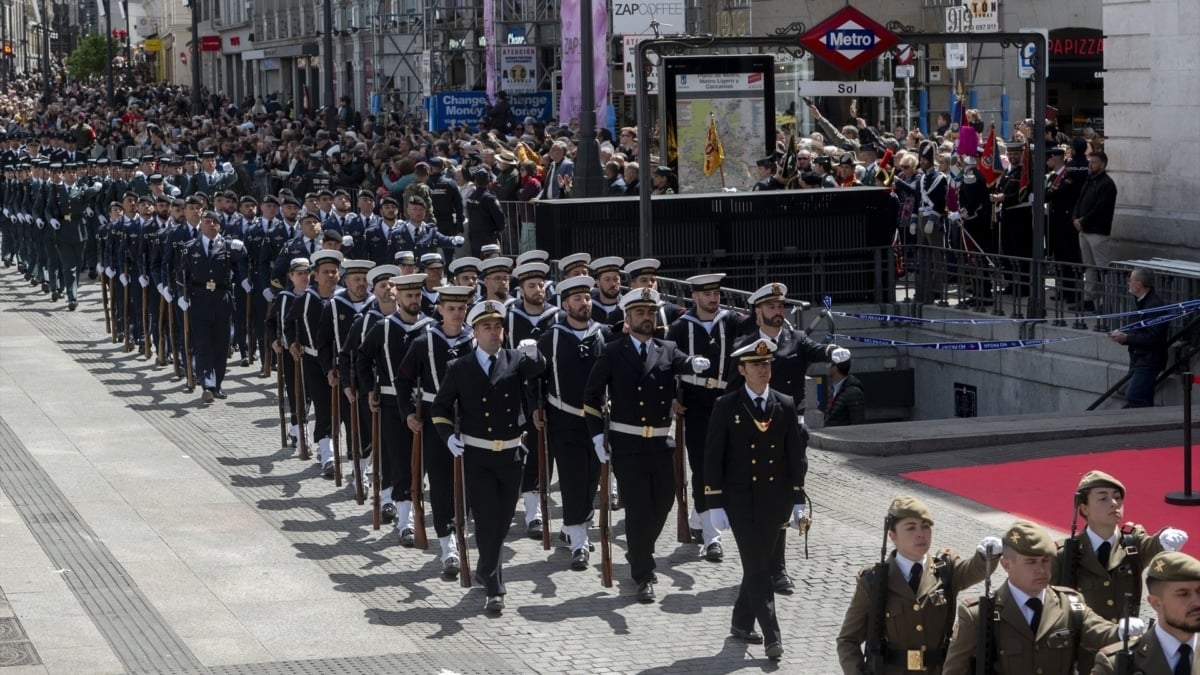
1062, 189
755, 465
484, 390
1147, 345
209, 269
638, 375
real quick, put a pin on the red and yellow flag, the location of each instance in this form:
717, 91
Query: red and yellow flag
714, 152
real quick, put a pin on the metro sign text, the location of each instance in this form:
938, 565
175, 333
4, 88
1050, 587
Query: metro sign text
848, 39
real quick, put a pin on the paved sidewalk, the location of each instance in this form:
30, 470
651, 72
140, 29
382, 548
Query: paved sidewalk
141, 531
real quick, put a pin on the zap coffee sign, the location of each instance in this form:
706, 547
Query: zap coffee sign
848, 39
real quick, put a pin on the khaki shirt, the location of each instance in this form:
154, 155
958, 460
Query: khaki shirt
916, 621
1053, 651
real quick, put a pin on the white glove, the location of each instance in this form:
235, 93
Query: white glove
227, 167
160, 288
54, 223
184, 304
247, 286
598, 443
989, 547
1172, 539
138, 174
166, 293
954, 216
799, 511
840, 355
144, 281
110, 272
456, 446
528, 348
457, 240
99, 268
41, 223
347, 241
929, 226
718, 518
236, 245
7, 213
700, 364
89, 212
912, 228
97, 186
124, 279
1131, 627
268, 294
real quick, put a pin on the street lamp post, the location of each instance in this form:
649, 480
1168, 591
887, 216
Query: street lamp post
327, 66
197, 100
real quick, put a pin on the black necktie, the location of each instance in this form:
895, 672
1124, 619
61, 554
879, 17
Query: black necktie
1184, 665
1036, 605
758, 403
914, 577
1103, 552
642, 352
310, 246
491, 364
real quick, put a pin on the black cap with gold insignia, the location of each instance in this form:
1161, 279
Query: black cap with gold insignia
1029, 539
761, 349
907, 506
1173, 566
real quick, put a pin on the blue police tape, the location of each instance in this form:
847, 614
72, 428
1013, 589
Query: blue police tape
995, 345
1186, 307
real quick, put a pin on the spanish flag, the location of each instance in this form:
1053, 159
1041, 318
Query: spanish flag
714, 152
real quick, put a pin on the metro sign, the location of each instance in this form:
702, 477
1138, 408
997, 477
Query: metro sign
848, 39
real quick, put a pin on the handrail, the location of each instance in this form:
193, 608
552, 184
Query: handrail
1183, 357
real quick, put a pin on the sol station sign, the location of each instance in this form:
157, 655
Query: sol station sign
848, 39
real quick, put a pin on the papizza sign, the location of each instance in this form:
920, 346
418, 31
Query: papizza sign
848, 39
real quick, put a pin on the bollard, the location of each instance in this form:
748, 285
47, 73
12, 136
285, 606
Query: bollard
1186, 497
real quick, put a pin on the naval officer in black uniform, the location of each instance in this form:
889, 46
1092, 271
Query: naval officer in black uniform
637, 373
485, 389
210, 267
754, 470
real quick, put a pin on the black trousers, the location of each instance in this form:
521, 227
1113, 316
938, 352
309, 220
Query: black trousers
210, 344
568, 443
647, 486
258, 308
695, 436
395, 468
438, 464
493, 484
756, 538
316, 389
239, 320
71, 255
289, 384
53, 261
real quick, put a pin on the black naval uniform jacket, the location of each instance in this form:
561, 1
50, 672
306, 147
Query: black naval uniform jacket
640, 394
745, 466
569, 361
428, 362
334, 329
489, 404
794, 353
385, 342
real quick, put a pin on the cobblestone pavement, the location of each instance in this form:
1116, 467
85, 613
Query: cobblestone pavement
558, 621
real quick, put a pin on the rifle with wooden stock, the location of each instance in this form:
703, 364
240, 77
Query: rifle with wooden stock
109, 326
171, 339
606, 579
683, 531
335, 406
301, 405
128, 347
187, 345
146, 322
543, 471
875, 654
163, 351
281, 403
460, 513
376, 513
416, 489
355, 440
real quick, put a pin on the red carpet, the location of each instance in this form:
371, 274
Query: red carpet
1041, 489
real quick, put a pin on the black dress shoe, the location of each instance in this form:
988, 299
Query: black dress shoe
747, 636
54, 296
775, 651
245, 362
92, 275
697, 536
495, 603
72, 305
783, 584
207, 396
407, 538
450, 567
327, 471
45, 289
220, 393
579, 560
645, 592
388, 513
714, 553
534, 530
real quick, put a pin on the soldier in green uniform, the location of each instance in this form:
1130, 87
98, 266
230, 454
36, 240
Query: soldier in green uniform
918, 597
1173, 582
1035, 627
74, 233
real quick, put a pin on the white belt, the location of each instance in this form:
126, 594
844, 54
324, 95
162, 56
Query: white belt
567, 408
310, 351
390, 391
494, 446
706, 382
644, 432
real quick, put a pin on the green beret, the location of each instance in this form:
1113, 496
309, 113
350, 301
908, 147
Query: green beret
1173, 566
907, 506
1095, 479
1029, 539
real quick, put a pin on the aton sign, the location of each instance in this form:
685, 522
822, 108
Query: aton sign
848, 39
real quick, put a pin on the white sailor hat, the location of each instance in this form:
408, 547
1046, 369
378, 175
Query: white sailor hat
326, 256
772, 292
500, 264
455, 294
531, 270
575, 285
706, 282
432, 260
464, 263
639, 297
761, 349
570, 262
405, 258
299, 264
610, 264
489, 251
488, 309
357, 266
536, 255
409, 282
382, 272
637, 268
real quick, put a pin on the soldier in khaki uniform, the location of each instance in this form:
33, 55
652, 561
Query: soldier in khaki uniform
1109, 557
1038, 628
1173, 582
916, 622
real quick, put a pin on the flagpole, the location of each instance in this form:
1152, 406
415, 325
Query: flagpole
722, 167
